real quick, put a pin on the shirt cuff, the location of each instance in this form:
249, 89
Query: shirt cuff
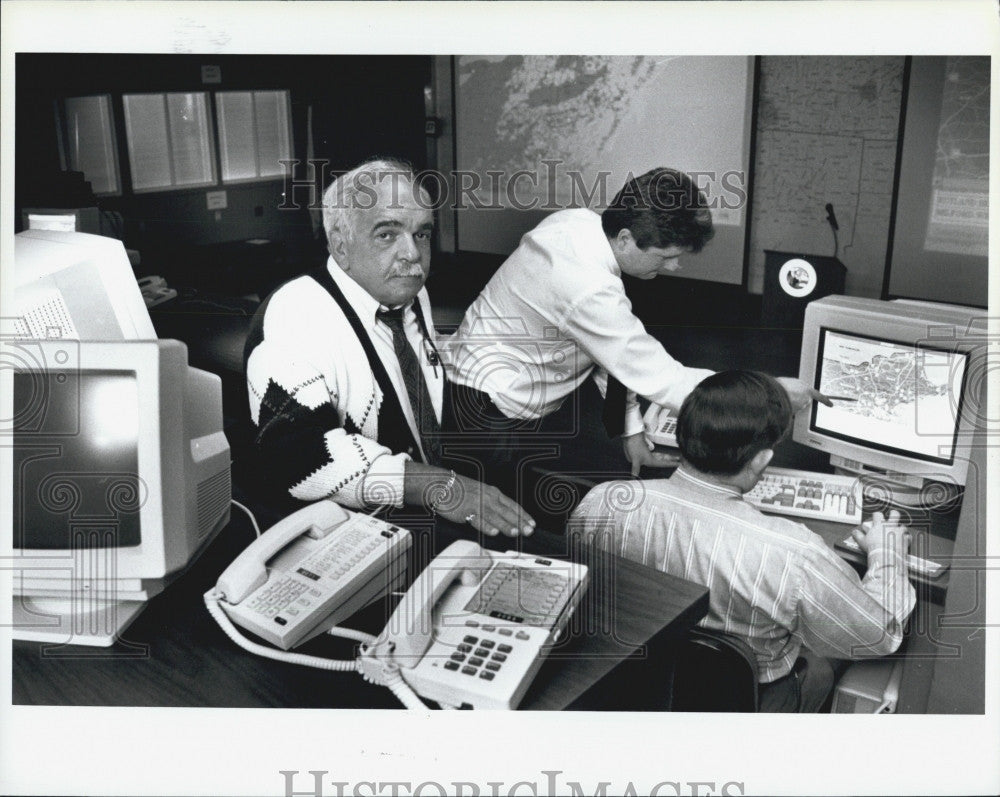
633, 419
383, 483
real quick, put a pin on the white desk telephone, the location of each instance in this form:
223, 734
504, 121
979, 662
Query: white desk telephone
472, 630
312, 570
661, 425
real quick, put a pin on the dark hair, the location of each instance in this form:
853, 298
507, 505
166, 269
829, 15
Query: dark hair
729, 417
661, 208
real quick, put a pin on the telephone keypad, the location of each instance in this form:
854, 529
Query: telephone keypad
451, 665
475, 662
482, 652
492, 665
504, 648
486, 675
277, 595
487, 643
463, 648
505, 632
499, 657
458, 657
469, 670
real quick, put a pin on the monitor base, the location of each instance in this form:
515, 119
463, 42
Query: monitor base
72, 622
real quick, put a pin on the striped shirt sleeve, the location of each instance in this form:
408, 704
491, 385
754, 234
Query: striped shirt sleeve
843, 616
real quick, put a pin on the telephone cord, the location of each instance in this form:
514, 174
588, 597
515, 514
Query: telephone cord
402, 690
212, 604
394, 680
350, 633
253, 520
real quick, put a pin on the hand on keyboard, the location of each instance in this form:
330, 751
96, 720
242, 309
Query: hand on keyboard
880, 532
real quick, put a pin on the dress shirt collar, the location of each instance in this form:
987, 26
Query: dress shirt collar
690, 479
364, 304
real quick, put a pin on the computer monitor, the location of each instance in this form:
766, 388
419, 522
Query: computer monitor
62, 219
121, 477
72, 285
908, 381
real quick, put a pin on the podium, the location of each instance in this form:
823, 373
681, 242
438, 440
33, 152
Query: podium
792, 280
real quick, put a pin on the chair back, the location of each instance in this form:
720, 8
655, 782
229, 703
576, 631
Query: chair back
714, 672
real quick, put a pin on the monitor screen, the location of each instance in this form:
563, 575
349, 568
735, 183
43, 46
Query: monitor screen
76, 443
63, 222
85, 219
893, 396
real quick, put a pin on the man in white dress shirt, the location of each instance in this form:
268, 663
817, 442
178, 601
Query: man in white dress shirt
556, 311
346, 391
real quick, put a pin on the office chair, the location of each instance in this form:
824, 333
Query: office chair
714, 672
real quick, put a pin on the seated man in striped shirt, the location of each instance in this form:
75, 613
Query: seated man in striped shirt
772, 582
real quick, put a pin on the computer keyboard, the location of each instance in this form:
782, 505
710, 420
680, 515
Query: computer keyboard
914, 564
823, 496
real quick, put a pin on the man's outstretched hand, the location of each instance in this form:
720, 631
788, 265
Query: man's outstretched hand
800, 394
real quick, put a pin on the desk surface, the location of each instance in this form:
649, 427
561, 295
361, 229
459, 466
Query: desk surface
175, 655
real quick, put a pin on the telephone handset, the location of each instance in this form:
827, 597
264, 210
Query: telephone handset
409, 629
478, 642
311, 571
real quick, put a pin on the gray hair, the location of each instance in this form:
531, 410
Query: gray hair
341, 199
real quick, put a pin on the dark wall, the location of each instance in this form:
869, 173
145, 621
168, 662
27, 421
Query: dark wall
361, 106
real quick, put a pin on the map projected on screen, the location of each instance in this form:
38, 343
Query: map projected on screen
959, 217
538, 133
891, 396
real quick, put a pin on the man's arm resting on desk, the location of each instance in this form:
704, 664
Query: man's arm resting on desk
302, 441
845, 617
463, 500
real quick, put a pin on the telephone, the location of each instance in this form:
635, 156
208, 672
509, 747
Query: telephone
661, 425
476, 625
472, 630
310, 571
155, 291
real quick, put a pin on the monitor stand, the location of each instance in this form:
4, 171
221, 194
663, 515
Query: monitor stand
70, 621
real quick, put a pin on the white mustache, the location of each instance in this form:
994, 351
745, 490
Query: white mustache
408, 270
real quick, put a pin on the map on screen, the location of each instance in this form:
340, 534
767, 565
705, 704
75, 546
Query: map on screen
896, 396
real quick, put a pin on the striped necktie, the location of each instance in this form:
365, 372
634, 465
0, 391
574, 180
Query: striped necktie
416, 385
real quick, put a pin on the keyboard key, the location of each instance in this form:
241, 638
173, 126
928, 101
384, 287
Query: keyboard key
469, 670
451, 665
